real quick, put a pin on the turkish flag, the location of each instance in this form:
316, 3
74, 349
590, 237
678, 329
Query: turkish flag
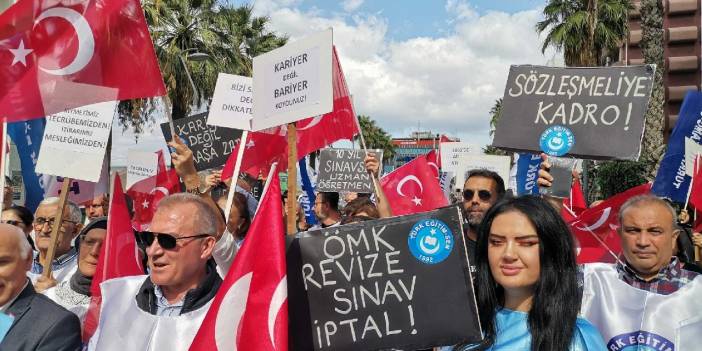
412, 188
56, 55
250, 310
270, 146
575, 203
434, 161
595, 230
119, 256
147, 193
696, 190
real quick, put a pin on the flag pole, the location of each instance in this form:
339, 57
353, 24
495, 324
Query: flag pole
235, 176
55, 230
376, 186
292, 179
692, 180
3, 163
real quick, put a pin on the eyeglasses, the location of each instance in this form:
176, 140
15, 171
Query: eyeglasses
91, 242
483, 195
166, 241
12, 222
40, 221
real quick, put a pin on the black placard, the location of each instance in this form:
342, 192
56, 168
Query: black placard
604, 108
211, 145
401, 282
344, 170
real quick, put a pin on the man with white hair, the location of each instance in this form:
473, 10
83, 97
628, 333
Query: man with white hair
38, 323
164, 310
66, 257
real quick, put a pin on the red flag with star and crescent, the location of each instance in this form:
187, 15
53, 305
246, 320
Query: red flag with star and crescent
60, 54
250, 310
413, 188
147, 193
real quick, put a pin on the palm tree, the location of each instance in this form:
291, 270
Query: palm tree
586, 31
495, 113
376, 137
224, 38
653, 145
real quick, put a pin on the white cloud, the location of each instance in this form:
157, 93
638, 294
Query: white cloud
448, 83
351, 5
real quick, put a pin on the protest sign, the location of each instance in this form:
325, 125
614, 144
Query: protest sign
79, 191
232, 102
293, 82
453, 155
211, 145
75, 140
141, 165
497, 164
528, 166
591, 113
400, 282
344, 170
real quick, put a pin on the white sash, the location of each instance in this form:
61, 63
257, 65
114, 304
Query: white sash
627, 316
124, 326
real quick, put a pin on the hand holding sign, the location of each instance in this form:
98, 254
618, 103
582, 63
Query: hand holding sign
183, 162
372, 164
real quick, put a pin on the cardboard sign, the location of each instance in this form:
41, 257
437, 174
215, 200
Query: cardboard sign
75, 141
591, 113
344, 170
211, 145
232, 102
293, 82
454, 154
141, 165
79, 191
396, 283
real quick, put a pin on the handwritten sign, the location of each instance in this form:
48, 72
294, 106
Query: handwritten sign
232, 102
75, 141
211, 145
594, 112
293, 82
344, 170
397, 283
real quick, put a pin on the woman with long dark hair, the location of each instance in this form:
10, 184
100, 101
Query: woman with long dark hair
526, 284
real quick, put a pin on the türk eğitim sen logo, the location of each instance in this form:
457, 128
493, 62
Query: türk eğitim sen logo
430, 241
556, 140
640, 341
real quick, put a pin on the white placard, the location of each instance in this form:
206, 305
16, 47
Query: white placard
141, 165
293, 82
75, 140
692, 149
232, 102
452, 153
497, 164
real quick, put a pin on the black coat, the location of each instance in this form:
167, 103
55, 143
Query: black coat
40, 324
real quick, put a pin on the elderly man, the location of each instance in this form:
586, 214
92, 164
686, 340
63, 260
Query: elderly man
39, 323
97, 207
481, 190
648, 300
163, 311
66, 257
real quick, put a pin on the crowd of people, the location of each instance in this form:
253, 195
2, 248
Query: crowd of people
530, 293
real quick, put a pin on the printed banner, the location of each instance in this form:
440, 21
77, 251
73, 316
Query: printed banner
527, 174
591, 113
397, 283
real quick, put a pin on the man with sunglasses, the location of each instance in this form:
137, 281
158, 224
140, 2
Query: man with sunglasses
180, 286
65, 260
481, 190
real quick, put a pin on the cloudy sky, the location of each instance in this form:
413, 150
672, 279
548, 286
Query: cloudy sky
439, 65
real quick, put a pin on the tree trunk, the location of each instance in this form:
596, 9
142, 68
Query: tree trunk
653, 145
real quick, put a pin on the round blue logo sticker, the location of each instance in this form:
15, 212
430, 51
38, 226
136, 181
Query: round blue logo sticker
430, 241
556, 140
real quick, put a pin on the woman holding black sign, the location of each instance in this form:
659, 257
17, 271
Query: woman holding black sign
526, 285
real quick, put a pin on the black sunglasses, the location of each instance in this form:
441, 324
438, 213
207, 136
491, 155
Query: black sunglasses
484, 195
166, 241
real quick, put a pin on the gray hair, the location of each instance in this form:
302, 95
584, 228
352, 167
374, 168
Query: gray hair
73, 209
206, 217
639, 200
23, 245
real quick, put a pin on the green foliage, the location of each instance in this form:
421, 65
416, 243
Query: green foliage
229, 36
495, 113
586, 31
613, 177
376, 137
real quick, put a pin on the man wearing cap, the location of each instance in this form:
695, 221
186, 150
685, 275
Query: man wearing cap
143, 312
